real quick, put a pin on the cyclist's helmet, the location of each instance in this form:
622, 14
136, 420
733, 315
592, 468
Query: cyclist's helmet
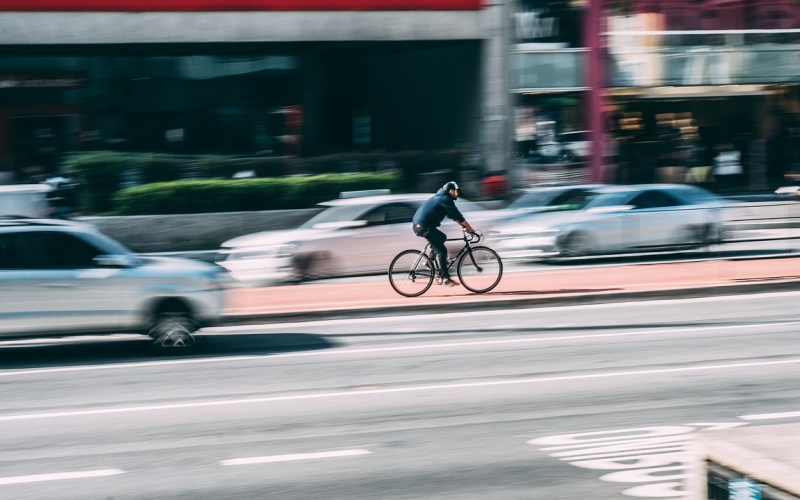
451, 185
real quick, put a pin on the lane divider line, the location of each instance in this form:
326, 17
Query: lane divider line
427, 346
58, 476
409, 389
294, 457
770, 416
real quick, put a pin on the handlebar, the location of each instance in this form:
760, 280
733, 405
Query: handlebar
472, 237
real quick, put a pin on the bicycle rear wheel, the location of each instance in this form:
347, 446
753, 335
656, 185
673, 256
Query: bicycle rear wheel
411, 273
482, 271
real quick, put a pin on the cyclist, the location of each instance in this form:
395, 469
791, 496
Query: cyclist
429, 217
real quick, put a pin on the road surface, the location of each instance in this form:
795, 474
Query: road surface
559, 403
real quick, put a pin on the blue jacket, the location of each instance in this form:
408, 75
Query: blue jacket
436, 208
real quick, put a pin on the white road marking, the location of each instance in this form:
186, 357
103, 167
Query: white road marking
408, 389
371, 350
770, 416
58, 476
290, 458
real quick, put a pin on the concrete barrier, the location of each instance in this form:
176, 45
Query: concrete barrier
192, 232
752, 462
188, 232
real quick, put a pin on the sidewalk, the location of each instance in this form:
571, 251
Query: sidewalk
551, 287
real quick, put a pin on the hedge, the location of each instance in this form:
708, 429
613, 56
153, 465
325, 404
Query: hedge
103, 174
224, 195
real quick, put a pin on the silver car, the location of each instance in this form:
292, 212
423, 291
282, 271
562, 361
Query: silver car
61, 278
349, 236
552, 198
616, 219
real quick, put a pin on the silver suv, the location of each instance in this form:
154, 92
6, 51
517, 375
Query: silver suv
61, 278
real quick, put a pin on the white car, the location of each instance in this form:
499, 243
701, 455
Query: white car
60, 278
352, 236
617, 219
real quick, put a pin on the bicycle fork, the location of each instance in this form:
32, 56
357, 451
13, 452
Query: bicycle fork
413, 274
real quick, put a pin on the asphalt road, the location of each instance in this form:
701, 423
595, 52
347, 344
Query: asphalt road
559, 403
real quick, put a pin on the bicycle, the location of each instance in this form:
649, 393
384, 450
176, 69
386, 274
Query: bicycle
479, 268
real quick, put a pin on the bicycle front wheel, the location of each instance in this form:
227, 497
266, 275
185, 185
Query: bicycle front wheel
411, 273
480, 270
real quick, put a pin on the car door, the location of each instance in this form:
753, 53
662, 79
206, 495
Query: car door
654, 220
24, 308
386, 233
55, 287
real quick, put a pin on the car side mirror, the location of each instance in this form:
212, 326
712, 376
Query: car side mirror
115, 261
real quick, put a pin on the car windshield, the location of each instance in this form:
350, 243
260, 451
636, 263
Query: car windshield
342, 213
609, 199
108, 245
552, 200
531, 199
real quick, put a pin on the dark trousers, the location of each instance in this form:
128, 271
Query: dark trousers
438, 251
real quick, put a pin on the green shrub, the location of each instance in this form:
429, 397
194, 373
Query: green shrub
225, 195
101, 172
104, 173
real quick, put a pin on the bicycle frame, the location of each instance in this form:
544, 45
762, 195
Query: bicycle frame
467, 248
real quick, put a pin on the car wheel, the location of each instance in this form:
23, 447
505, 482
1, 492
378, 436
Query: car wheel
173, 329
309, 266
713, 234
694, 237
578, 245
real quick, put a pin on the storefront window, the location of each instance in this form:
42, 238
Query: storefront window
195, 104
553, 23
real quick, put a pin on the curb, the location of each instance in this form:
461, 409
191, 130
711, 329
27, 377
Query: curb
481, 303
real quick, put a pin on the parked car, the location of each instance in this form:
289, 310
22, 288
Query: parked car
617, 219
60, 278
350, 236
576, 146
25, 199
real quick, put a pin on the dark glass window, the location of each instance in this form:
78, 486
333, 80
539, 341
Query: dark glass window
393, 213
653, 199
45, 250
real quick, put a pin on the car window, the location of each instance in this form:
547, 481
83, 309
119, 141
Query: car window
393, 213
609, 199
572, 199
45, 250
694, 194
9, 255
653, 199
342, 213
531, 199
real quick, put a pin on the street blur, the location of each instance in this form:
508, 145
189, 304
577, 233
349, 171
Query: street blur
635, 163
529, 403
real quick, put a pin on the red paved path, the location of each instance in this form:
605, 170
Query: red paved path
323, 295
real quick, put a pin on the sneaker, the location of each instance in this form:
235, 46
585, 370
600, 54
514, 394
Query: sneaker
438, 280
450, 282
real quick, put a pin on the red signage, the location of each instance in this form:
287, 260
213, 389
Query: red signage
236, 5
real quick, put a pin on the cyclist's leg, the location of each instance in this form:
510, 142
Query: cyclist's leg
422, 232
438, 251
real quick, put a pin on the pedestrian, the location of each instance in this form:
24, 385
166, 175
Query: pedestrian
429, 217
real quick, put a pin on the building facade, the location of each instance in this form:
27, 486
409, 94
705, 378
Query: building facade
245, 77
547, 90
659, 87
